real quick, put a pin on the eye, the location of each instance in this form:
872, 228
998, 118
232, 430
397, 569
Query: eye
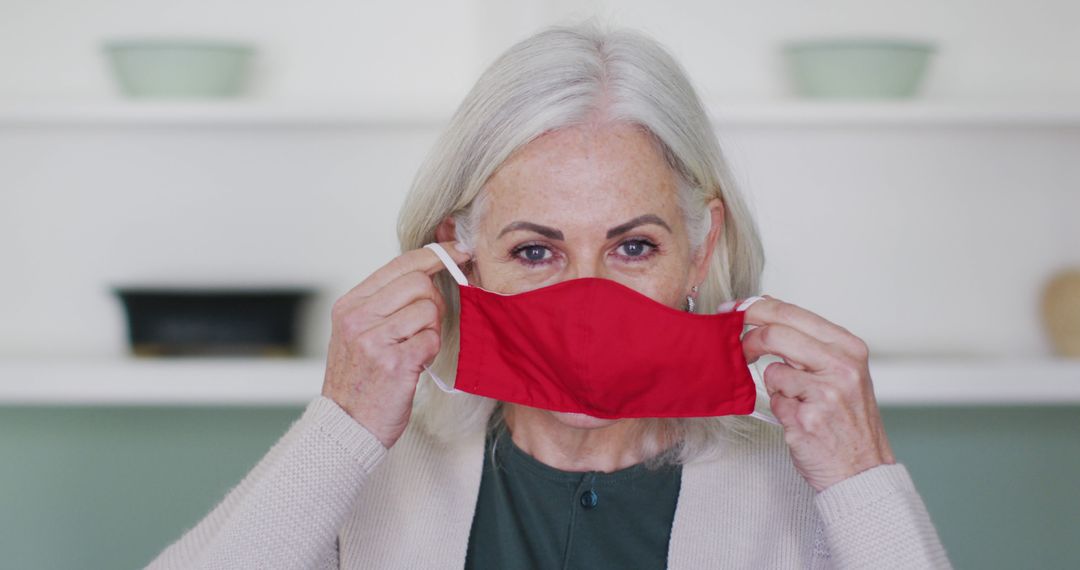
534, 254
637, 249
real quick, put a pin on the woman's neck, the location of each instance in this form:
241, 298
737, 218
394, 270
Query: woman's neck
605, 449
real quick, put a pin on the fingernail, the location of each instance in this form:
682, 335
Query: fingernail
461, 247
726, 306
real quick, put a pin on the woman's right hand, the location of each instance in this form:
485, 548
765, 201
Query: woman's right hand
384, 331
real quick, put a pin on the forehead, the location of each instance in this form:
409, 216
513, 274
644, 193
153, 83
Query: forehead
583, 175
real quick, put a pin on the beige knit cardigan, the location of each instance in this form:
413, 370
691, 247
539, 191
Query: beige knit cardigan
329, 495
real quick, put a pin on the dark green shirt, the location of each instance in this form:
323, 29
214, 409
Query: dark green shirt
532, 515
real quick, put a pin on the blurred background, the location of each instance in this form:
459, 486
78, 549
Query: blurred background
186, 187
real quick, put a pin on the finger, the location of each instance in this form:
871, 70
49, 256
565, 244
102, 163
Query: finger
795, 347
785, 410
406, 289
771, 310
407, 322
779, 378
419, 259
420, 349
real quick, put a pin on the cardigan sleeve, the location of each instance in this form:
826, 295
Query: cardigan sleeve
287, 511
876, 519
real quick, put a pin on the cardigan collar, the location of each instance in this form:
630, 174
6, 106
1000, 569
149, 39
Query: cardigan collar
461, 464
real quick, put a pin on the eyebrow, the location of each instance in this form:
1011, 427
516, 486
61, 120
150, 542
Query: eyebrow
555, 234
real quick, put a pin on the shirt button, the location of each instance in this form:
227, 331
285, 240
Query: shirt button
589, 499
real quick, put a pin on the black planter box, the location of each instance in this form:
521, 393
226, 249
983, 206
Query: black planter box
187, 321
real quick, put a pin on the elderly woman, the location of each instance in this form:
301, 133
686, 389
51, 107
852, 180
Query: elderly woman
580, 152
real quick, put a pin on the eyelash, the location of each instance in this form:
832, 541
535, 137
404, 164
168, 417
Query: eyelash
653, 249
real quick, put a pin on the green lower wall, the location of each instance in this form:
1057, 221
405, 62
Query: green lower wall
108, 488
97, 488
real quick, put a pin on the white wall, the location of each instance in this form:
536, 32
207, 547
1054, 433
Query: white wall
370, 52
987, 49
87, 208
383, 51
931, 239
923, 240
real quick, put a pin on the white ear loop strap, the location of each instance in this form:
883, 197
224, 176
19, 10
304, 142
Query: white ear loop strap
749, 301
439, 381
756, 414
458, 276
729, 305
764, 418
448, 261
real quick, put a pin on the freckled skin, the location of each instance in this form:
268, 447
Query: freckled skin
583, 181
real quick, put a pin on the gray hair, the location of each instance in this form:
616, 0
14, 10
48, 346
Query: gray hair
560, 77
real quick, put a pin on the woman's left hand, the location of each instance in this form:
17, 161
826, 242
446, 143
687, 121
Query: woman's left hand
821, 393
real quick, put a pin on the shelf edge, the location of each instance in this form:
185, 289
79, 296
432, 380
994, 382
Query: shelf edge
271, 382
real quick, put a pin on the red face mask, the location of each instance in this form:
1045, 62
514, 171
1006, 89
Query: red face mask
595, 346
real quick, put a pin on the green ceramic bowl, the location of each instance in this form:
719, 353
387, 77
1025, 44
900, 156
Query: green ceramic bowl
179, 68
857, 68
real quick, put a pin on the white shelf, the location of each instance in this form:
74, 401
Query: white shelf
178, 382
261, 382
915, 112
223, 113
761, 112
989, 381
